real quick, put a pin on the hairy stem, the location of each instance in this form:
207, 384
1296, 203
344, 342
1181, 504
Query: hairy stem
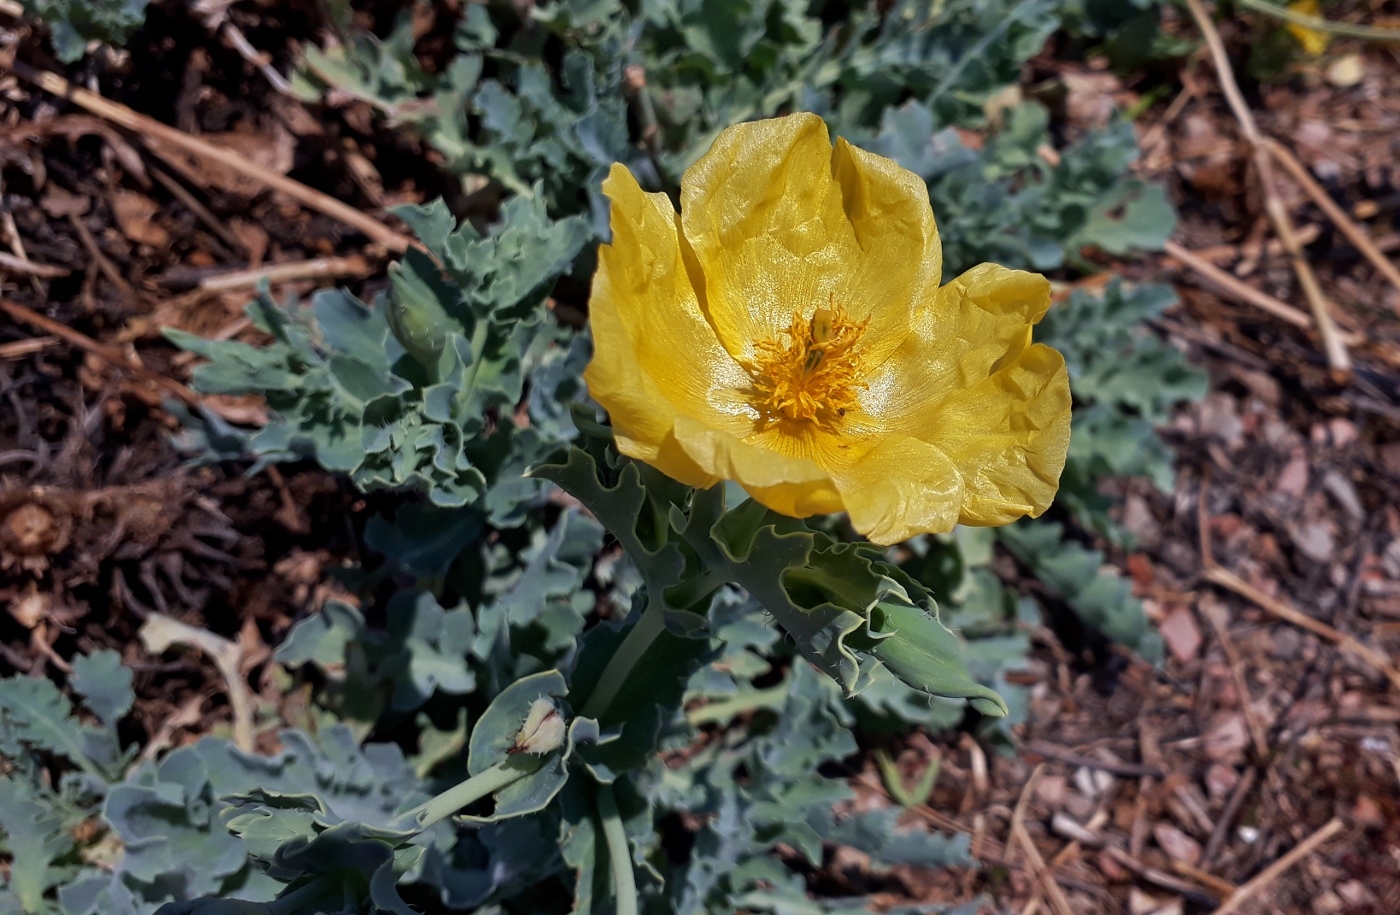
499, 776
619, 852
634, 645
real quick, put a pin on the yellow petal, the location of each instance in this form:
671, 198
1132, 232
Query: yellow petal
781, 223
968, 381
788, 484
655, 356
900, 488
1313, 41
1009, 436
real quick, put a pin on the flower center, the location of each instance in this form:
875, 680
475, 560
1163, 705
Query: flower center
810, 373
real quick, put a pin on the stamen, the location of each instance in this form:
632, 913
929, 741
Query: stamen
811, 374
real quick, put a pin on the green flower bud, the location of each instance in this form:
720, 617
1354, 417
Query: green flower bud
919, 650
416, 316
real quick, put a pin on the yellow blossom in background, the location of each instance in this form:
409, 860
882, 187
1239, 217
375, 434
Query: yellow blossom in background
786, 330
1313, 41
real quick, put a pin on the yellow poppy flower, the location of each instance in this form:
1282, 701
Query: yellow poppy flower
786, 330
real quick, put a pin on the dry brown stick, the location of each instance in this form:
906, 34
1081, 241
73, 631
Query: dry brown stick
1127, 770
324, 268
1057, 898
104, 263
1348, 227
1271, 873
1229, 580
1213, 612
200, 211
149, 128
1227, 816
1231, 285
16, 349
29, 268
1019, 835
102, 351
1338, 360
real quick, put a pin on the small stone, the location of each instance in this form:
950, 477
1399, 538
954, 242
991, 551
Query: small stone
1221, 781
1226, 740
1079, 806
1052, 790
1293, 481
1315, 539
1354, 893
1138, 519
1341, 489
1346, 71
1344, 432
1181, 634
1219, 418
1367, 812
1177, 844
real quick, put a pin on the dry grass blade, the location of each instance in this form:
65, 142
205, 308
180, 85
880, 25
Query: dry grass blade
147, 127
1345, 224
1338, 360
1229, 580
1231, 286
1268, 875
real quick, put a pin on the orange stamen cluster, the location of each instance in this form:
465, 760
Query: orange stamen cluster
810, 374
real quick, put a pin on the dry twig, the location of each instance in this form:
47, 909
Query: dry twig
102, 351
29, 268
324, 268
1268, 875
1231, 285
1127, 770
1019, 835
1229, 580
150, 129
1345, 224
1338, 360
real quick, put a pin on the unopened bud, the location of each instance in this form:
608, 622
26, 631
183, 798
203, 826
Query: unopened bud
543, 730
919, 650
416, 317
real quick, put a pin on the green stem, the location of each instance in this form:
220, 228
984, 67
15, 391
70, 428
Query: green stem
473, 789
619, 851
634, 645
1318, 24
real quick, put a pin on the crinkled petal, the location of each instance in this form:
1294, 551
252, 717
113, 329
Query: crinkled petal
655, 356
1009, 436
970, 327
900, 488
778, 222
791, 485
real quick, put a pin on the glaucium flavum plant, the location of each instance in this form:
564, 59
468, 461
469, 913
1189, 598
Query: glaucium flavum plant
787, 331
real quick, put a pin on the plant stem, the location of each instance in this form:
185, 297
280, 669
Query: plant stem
619, 851
473, 789
634, 645
1318, 24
